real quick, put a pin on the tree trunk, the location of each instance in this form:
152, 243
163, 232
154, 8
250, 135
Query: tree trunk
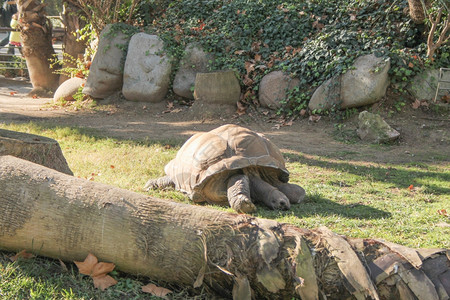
416, 10
36, 33
73, 48
239, 256
35, 148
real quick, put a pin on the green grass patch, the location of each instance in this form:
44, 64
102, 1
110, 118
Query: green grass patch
41, 278
354, 198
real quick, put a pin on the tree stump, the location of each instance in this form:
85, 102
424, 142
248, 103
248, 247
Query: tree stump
215, 94
37, 48
35, 148
239, 256
217, 88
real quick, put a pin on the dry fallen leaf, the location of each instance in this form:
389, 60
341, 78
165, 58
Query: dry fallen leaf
240, 108
85, 267
248, 95
314, 118
424, 103
156, 290
97, 271
316, 24
63, 266
288, 123
256, 46
247, 80
104, 282
22, 254
443, 212
101, 269
446, 98
249, 66
415, 104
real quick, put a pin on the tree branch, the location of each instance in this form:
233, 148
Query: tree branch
443, 38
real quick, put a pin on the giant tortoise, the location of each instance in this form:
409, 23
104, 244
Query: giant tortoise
231, 164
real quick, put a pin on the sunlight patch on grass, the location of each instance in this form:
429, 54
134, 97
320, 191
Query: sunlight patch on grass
354, 198
398, 203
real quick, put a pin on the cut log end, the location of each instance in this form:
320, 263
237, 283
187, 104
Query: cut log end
38, 149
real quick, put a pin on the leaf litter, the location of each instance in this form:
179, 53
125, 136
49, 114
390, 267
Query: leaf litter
22, 254
156, 290
97, 271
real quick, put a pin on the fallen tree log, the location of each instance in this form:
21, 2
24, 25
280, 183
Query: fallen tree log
38, 149
56, 215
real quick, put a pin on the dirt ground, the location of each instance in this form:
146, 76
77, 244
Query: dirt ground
425, 135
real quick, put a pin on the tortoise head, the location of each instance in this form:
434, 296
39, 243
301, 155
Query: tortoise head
277, 200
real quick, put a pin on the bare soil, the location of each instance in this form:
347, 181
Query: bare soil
424, 131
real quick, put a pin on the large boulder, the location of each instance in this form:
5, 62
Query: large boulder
372, 128
106, 72
327, 95
195, 61
423, 86
147, 69
365, 84
68, 88
273, 89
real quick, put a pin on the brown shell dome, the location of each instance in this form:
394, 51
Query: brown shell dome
205, 162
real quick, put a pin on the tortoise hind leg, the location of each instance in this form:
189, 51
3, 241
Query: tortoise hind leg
238, 193
268, 194
159, 183
295, 193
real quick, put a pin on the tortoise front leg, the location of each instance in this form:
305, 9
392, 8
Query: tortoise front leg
159, 183
266, 193
238, 194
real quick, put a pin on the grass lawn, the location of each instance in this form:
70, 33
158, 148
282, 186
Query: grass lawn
395, 202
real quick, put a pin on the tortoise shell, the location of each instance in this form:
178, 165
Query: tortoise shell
204, 163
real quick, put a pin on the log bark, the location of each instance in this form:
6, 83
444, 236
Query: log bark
60, 216
35, 148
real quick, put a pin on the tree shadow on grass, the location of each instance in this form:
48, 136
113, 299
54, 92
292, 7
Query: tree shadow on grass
321, 207
397, 176
88, 135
